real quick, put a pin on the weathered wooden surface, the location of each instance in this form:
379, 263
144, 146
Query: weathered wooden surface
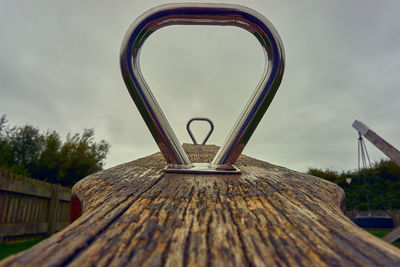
135, 215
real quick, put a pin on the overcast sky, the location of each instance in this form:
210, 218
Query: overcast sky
59, 69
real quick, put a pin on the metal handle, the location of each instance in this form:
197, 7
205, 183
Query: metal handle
190, 131
202, 14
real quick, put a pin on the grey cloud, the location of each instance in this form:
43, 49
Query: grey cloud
59, 70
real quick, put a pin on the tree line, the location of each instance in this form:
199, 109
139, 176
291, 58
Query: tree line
44, 156
377, 186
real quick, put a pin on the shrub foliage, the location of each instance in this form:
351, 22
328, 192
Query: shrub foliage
44, 156
378, 186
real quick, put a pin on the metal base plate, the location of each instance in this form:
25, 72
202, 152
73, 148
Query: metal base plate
202, 168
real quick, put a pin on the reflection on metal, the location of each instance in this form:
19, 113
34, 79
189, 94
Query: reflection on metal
202, 168
202, 14
209, 132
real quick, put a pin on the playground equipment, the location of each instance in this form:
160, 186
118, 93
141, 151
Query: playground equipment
378, 141
394, 155
255, 214
202, 14
380, 222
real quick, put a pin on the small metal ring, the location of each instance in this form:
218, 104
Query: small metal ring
190, 132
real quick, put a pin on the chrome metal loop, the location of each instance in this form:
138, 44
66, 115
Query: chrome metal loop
202, 14
209, 132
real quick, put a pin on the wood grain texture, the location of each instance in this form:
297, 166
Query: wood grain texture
135, 215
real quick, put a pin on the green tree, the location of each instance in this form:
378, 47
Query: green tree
5, 149
80, 156
27, 151
26, 145
326, 174
46, 167
377, 186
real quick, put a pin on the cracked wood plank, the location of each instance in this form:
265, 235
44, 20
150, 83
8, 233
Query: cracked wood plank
135, 215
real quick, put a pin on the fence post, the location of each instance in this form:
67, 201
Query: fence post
53, 209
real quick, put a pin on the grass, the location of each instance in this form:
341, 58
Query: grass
10, 248
379, 233
382, 233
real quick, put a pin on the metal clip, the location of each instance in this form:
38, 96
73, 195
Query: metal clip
209, 132
202, 14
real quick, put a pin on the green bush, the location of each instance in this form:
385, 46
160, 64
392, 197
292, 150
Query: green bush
44, 156
380, 183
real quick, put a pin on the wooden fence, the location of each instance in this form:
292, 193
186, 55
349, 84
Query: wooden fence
30, 208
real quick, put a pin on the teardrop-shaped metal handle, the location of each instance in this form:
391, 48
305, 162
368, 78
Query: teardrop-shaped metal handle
208, 134
202, 14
